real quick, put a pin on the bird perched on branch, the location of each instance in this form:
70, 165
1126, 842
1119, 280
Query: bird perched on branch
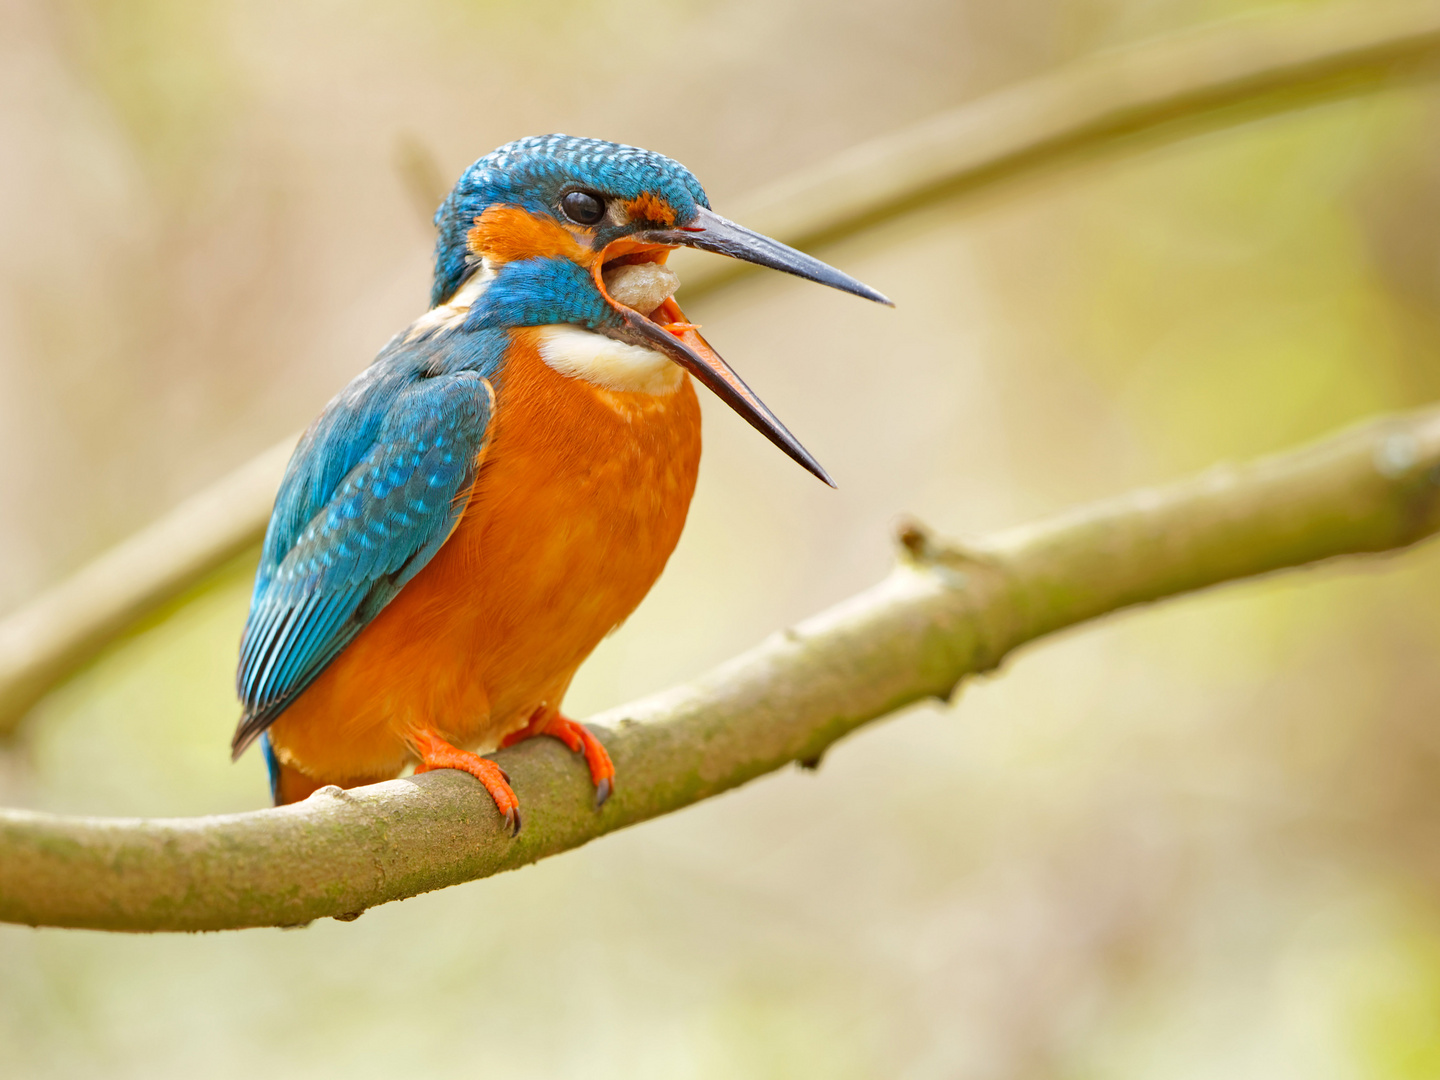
498, 490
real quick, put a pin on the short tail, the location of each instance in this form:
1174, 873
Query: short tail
287, 784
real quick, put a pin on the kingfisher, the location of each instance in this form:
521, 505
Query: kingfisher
500, 488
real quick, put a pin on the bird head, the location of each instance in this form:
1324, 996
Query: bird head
553, 229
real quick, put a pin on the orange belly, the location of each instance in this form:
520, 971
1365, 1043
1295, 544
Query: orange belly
579, 500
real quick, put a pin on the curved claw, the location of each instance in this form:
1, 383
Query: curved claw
435, 753
580, 740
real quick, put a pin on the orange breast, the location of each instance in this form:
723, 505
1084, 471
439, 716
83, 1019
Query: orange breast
580, 498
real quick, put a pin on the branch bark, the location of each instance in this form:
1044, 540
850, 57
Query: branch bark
943, 613
1163, 88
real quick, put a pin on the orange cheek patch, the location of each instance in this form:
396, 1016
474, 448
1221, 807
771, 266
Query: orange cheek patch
506, 233
648, 207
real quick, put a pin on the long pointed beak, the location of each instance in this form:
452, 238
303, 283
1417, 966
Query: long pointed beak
711, 232
678, 340
667, 331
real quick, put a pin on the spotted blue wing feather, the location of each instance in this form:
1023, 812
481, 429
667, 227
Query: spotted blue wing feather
372, 492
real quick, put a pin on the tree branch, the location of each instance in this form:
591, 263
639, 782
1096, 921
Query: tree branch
1222, 75
943, 614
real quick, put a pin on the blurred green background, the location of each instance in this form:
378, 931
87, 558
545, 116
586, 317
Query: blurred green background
1199, 841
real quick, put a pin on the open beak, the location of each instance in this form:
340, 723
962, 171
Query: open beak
666, 330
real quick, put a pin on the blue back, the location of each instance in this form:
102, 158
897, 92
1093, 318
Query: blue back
375, 487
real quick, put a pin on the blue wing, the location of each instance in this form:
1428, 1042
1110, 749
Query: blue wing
374, 488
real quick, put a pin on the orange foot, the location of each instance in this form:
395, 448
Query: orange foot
436, 753
579, 739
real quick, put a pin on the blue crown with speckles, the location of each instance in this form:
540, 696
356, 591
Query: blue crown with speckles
532, 172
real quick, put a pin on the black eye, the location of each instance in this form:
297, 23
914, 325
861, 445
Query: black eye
583, 207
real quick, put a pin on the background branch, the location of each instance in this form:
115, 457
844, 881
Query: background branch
1164, 89
942, 614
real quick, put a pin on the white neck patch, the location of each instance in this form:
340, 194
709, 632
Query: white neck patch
449, 315
608, 363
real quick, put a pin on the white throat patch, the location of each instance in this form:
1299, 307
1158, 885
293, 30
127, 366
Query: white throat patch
608, 363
